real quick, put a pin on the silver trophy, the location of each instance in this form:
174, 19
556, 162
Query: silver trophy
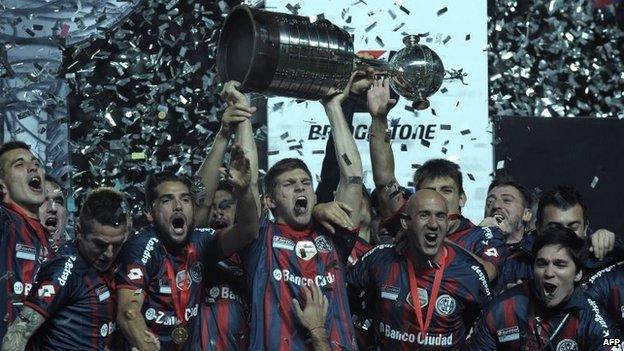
287, 55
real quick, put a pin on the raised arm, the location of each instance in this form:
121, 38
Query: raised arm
349, 189
382, 158
131, 322
245, 229
238, 110
21, 330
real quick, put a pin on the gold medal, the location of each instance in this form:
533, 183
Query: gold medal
179, 335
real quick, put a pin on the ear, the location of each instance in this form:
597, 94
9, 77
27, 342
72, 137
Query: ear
404, 223
527, 215
79, 232
462, 200
269, 201
149, 215
578, 276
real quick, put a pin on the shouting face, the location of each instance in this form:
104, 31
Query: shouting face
22, 180
53, 213
427, 226
100, 244
293, 198
555, 274
172, 212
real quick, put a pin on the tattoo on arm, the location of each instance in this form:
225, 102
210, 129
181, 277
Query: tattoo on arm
392, 189
21, 330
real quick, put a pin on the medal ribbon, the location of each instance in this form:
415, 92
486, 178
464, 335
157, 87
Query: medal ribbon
424, 324
179, 298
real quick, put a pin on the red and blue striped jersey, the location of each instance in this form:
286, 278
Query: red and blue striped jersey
142, 268
361, 247
278, 264
607, 288
383, 274
225, 322
25, 247
77, 301
517, 320
487, 243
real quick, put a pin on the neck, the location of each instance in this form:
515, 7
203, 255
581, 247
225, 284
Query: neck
365, 233
31, 211
453, 225
423, 262
515, 237
173, 248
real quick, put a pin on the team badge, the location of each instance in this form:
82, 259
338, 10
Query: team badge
104, 329
305, 250
196, 272
423, 298
322, 244
183, 281
445, 305
567, 345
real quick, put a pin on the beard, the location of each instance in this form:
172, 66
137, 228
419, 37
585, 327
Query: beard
162, 232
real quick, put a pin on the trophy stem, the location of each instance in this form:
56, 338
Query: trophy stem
363, 63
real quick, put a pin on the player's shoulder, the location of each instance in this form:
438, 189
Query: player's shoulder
487, 233
517, 296
461, 258
385, 252
142, 238
66, 264
608, 274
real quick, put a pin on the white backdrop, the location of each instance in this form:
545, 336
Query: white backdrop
456, 127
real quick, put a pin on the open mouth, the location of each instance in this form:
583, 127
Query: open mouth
431, 239
550, 289
499, 217
51, 223
219, 224
35, 184
178, 223
301, 205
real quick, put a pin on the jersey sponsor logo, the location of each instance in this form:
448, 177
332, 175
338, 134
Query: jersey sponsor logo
508, 334
147, 252
445, 305
183, 281
390, 292
319, 280
598, 318
567, 345
279, 242
482, 278
67, 270
322, 244
223, 292
487, 233
107, 329
606, 270
427, 339
423, 298
102, 293
18, 288
196, 272
491, 252
25, 252
135, 273
305, 250
169, 318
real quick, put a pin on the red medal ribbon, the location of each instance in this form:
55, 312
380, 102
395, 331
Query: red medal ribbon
181, 298
424, 324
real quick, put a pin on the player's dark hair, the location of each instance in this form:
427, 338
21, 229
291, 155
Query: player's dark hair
225, 186
105, 206
438, 168
8, 146
284, 165
508, 181
156, 178
55, 180
565, 238
562, 197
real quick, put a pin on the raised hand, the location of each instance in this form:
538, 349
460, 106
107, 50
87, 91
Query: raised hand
231, 95
378, 97
333, 214
239, 172
337, 96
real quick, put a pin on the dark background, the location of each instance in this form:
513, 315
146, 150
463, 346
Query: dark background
543, 152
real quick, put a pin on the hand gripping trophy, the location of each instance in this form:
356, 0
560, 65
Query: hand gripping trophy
287, 55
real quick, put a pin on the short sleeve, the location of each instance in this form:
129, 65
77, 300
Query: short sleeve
251, 254
137, 262
54, 286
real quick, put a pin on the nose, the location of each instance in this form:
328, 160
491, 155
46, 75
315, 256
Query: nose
108, 254
177, 205
52, 207
432, 223
299, 186
549, 272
